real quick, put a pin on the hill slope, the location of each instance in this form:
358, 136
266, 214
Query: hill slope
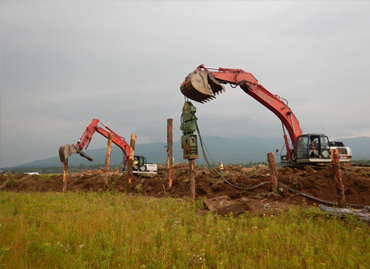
227, 150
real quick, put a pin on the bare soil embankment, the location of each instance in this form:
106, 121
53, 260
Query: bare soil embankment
313, 181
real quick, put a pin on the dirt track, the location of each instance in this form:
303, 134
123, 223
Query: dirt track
309, 180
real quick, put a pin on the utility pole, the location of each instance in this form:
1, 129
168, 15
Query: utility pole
65, 175
273, 173
131, 158
338, 178
107, 159
169, 152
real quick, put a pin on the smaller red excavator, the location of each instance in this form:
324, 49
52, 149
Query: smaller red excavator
140, 164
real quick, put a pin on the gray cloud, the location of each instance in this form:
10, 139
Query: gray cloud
64, 63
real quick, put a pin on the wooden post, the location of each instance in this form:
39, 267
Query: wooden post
65, 174
131, 158
169, 152
107, 159
273, 174
192, 179
338, 178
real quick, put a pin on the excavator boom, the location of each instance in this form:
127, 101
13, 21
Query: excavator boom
204, 83
67, 150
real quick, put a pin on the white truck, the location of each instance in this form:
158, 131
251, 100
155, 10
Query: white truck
345, 153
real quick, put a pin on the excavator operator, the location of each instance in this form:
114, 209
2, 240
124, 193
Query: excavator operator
313, 149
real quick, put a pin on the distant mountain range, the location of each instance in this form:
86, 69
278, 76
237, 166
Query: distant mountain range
227, 150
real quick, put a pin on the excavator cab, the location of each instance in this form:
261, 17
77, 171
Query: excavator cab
312, 148
141, 166
139, 163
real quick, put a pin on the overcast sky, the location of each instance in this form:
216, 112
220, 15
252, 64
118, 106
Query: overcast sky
64, 63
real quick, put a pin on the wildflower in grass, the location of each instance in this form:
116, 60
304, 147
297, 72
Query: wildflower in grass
196, 258
47, 244
81, 246
68, 247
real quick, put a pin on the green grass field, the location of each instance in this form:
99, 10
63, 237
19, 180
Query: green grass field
112, 230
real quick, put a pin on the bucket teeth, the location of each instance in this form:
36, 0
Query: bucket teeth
83, 154
200, 86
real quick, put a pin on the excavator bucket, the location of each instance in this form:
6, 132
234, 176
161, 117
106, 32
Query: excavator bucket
201, 86
67, 150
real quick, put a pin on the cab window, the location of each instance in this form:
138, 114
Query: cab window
302, 147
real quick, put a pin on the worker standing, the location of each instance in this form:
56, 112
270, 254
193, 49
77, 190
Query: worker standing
221, 168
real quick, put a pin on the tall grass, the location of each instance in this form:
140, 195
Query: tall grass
111, 230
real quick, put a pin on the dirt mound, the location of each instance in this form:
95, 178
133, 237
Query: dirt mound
314, 181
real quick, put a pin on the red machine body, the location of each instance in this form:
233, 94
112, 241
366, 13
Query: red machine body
205, 82
141, 166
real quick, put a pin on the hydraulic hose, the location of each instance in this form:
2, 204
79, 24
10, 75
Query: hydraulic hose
236, 185
316, 199
239, 186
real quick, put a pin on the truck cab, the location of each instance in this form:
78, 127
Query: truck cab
345, 153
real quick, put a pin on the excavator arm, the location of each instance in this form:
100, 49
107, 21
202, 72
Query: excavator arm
204, 83
66, 150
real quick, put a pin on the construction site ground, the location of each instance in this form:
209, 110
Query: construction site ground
311, 180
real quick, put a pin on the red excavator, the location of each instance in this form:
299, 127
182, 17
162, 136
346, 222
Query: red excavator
140, 164
204, 83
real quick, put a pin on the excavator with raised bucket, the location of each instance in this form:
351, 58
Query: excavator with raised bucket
204, 83
141, 166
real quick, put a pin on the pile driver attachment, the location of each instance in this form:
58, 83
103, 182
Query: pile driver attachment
67, 150
201, 86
